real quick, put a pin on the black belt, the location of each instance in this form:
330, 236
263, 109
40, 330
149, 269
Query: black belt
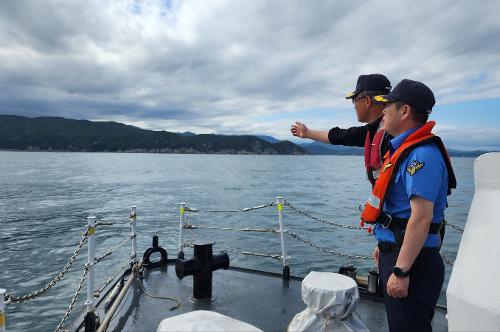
398, 225
383, 246
387, 221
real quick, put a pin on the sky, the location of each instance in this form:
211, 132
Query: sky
248, 66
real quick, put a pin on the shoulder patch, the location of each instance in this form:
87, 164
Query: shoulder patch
414, 167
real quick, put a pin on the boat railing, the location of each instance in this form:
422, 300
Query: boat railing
88, 273
185, 224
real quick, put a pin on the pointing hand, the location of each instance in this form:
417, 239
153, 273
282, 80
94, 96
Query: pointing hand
299, 129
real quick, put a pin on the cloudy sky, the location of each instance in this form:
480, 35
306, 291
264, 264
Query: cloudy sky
248, 67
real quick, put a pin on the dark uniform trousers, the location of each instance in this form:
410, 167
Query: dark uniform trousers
415, 312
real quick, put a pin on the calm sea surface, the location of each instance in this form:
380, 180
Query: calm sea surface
46, 197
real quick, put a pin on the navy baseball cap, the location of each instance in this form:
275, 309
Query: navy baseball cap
414, 93
371, 82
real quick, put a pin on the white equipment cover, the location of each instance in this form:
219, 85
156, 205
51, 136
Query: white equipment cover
202, 321
331, 299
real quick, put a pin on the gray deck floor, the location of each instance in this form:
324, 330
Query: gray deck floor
258, 299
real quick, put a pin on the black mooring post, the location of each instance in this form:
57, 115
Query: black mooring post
181, 255
286, 273
90, 322
201, 267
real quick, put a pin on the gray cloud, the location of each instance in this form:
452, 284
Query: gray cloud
218, 65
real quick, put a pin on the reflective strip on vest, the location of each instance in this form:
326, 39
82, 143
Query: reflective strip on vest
373, 201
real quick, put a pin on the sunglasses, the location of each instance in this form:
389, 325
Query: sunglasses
354, 100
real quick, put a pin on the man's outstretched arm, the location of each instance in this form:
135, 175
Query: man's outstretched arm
300, 130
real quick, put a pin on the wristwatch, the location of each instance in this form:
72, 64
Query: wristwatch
399, 272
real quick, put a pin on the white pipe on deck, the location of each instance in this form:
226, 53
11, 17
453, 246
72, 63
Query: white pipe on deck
279, 204
133, 218
181, 228
90, 261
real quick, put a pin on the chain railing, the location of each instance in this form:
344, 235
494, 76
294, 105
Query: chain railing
245, 229
104, 222
189, 209
9, 298
190, 244
110, 252
74, 299
326, 250
455, 227
447, 260
324, 221
98, 291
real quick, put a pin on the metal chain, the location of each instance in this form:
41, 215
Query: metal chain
97, 292
307, 214
248, 253
110, 223
259, 230
455, 227
188, 209
258, 207
75, 298
447, 260
19, 299
326, 250
190, 243
108, 253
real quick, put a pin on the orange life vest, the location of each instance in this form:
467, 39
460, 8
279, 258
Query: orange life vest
374, 204
373, 154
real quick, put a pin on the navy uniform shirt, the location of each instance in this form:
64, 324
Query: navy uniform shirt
424, 174
356, 136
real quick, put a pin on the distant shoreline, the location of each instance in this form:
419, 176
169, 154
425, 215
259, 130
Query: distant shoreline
473, 155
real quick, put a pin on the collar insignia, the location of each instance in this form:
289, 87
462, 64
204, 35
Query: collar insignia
414, 167
386, 166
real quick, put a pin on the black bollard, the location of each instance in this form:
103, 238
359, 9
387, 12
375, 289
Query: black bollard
155, 249
201, 267
90, 322
348, 270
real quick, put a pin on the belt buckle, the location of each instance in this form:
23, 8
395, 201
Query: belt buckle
387, 221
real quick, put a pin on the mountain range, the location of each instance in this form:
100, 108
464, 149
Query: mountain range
61, 134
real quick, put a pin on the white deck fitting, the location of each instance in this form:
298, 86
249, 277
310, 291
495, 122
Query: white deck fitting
473, 291
202, 320
331, 299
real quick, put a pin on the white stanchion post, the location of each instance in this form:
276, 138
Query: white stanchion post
133, 218
286, 269
90, 261
181, 230
2, 309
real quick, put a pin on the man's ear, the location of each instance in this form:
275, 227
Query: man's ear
405, 112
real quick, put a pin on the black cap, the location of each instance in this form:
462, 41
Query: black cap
371, 82
414, 93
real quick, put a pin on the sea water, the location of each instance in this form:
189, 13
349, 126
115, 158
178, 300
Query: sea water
45, 198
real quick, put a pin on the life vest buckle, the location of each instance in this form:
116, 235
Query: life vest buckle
386, 220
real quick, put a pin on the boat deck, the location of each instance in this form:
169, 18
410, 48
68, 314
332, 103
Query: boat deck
258, 298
